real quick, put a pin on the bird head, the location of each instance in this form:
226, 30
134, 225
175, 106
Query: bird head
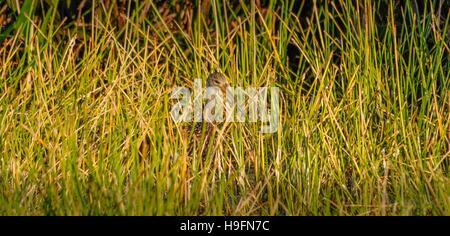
218, 80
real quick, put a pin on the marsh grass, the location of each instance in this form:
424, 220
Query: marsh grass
364, 126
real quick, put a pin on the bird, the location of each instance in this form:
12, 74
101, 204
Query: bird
197, 133
202, 132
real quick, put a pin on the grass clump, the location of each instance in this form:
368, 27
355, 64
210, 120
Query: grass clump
364, 126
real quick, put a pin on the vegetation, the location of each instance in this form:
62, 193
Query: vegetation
365, 103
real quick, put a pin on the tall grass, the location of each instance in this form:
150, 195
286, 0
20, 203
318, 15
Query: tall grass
364, 126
